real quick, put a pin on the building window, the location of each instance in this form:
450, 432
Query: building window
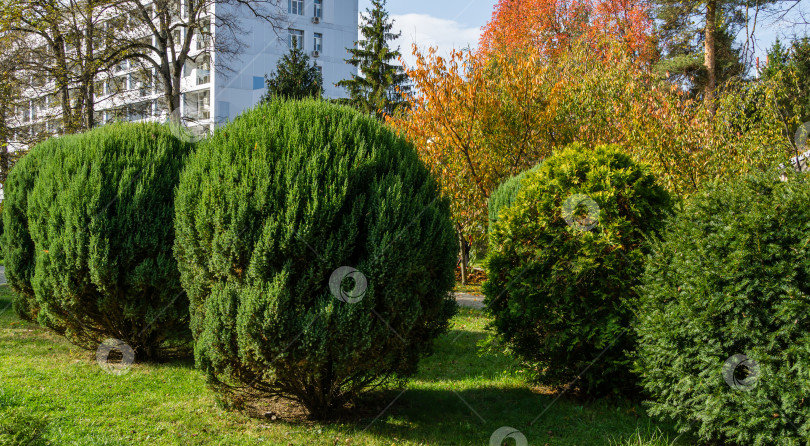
319, 8
296, 39
295, 7
318, 42
197, 105
204, 37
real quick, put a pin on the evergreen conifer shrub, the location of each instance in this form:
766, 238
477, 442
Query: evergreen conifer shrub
18, 248
563, 261
724, 313
506, 193
317, 254
100, 215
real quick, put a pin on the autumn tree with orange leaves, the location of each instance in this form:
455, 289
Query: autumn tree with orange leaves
476, 120
478, 117
551, 26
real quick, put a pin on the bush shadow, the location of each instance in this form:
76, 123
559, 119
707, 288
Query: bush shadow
471, 416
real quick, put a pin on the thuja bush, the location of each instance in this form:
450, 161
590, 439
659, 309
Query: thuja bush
563, 261
18, 248
723, 321
101, 217
269, 210
505, 194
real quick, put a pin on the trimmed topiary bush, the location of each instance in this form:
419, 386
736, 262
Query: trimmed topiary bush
101, 219
731, 277
268, 211
18, 248
506, 193
563, 261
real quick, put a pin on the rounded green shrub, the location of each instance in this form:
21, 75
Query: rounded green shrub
724, 313
101, 217
505, 194
18, 248
563, 261
274, 213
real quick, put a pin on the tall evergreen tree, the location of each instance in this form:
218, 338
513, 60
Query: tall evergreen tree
684, 61
377, 89
294, 78
695, 31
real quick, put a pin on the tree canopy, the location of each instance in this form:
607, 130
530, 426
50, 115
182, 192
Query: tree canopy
552, 25
378, 88
295, 77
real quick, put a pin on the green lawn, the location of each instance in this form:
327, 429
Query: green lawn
42, 377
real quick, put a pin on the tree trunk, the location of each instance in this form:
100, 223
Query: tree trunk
61, 78
90, 107
176, 79
171, 77
709, 54
464, 250
3, 155
89, 76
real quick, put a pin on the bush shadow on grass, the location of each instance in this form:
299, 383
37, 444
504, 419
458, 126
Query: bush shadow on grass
450, 402
6, 301
471, 416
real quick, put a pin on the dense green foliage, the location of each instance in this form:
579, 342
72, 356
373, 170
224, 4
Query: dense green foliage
560, 292
294, 78
505, 194
789, 65
18, 248
100, 217
267, 209
378, 88
731, 277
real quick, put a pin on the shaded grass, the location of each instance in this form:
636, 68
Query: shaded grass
459, 397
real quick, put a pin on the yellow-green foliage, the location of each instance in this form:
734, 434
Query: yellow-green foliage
560, 284
506, 193
658, 124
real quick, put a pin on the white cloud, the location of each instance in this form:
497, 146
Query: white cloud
425, 30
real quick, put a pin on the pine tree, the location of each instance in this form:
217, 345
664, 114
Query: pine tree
698, 40
294, 77
684, 63
377, 90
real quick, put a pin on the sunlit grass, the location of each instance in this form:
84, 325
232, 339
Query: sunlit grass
459, 397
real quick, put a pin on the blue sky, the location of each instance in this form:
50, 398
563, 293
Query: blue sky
446, 24
450, 24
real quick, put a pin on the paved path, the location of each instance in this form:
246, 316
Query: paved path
2, 275
470, 300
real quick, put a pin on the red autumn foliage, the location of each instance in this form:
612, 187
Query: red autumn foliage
550, 26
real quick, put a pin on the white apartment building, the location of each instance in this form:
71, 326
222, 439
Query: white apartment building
324, 29
213, 94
